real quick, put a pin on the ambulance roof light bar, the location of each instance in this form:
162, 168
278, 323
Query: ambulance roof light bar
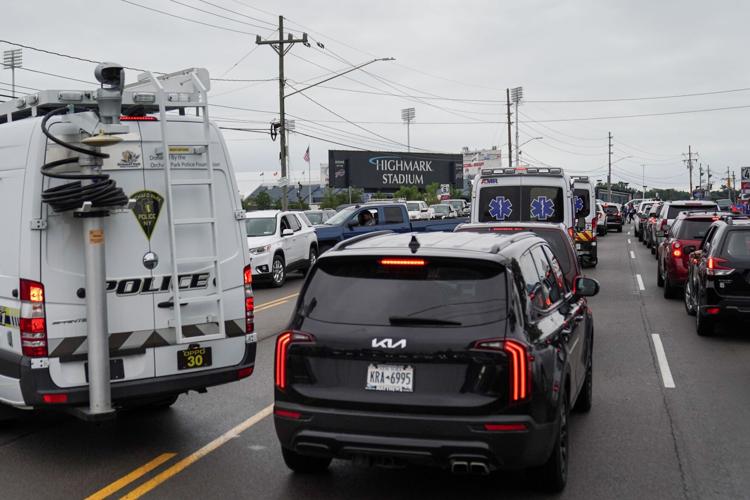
522, 171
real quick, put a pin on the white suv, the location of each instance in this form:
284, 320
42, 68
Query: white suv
279, 242
418, 210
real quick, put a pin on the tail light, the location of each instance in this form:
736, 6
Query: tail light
33, 321
247, 278
519, 370
652, 219
676, 249
283, 342
663, 224
714, 267
594, 223
572, 233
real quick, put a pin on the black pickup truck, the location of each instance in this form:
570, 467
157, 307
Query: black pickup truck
352, 221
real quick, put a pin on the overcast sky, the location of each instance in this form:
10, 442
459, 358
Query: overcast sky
466, 50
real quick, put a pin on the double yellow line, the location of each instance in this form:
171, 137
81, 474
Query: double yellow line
178, 467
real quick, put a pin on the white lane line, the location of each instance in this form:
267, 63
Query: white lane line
628, 233
640, 282
628, 240
661, 357
632, 254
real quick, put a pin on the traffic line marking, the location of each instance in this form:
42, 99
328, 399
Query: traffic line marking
632, 254
641, 286
628, 240
628, 233
274, 303
129, 478
197, 455
661, 357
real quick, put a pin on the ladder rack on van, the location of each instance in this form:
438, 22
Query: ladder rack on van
179, 88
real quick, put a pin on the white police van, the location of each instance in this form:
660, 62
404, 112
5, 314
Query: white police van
523, 194
172, 291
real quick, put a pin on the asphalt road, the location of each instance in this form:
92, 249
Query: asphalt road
647, 436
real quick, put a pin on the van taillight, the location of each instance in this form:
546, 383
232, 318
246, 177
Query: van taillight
283, 342
33, 321
519, 372
247, 279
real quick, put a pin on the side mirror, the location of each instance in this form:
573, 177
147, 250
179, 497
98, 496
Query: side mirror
585, 287
286, 232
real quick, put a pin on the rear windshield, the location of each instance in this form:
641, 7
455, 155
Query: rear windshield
646, 207
315, 217
693, 229
611, 209
413, 207
737, 245
582, 202
674, 210
521, 203
364, 292
456, 204
261, 226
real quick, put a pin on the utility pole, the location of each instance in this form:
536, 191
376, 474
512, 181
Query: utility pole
700, 175
729, 185
689, 163
517, 95
609, 171
510, 143
734, 186
281, 50
708, 178
643, 170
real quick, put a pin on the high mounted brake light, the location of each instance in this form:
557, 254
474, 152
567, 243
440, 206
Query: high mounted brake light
33, 322
247, 279
402, 262
519, 371
283, 342
131, 118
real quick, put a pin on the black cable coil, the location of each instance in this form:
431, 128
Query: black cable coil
102, 191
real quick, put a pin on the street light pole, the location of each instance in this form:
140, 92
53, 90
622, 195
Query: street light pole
517, 95
518, 148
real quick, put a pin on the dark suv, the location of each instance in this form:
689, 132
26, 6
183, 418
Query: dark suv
456, 350
614, 216
718, 283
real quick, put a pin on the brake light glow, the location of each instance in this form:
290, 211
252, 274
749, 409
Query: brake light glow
714, 267
713, 310
571, 233
55, 398
283, 342
247, 275
508, 229
294, 415
505, 427
32, 322
518, 365
402, 262
676, 249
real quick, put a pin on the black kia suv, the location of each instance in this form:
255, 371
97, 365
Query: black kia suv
718, 282
457, 350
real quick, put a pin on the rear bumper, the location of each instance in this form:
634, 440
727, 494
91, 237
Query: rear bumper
433, 440
735, 308
36, 382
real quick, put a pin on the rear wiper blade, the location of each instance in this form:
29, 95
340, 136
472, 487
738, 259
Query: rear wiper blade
414, 320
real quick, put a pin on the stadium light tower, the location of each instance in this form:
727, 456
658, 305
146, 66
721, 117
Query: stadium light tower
407, 115
516, 95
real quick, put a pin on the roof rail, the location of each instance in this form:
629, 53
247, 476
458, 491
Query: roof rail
356, 239
179, 89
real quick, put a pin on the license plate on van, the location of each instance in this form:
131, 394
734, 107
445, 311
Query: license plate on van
391, 378
194, 357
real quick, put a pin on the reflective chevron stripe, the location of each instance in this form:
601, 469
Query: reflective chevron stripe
584, 236
126, 341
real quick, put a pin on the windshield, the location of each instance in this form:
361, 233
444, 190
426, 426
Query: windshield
521, 204
413, 207
364, 292
340, 216
315, 217
444, 209
260, 226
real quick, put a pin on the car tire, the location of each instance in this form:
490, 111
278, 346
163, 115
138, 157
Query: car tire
278, 271
553, 474
688, 299
305, 464
586, 396
669, 289
9, 414
659, 275
312, 258
704, 326
619, 229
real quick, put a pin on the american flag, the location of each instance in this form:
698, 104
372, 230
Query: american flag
307, 154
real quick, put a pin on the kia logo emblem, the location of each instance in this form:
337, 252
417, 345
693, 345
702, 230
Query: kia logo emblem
388, 344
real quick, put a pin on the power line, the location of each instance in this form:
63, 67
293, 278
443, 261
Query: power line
219, 15
649, 98
240, 14
57, 76
188, 19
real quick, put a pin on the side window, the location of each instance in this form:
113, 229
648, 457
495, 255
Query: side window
551, 290
285, 224
392, 215
556, 270
294, 223
534, 289
706, 243
365, 218
675, 228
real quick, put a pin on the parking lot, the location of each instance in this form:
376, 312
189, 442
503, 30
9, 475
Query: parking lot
670, 418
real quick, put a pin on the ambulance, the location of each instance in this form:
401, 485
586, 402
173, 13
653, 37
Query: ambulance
584, 204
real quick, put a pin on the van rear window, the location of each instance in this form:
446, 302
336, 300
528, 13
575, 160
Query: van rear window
582, 200
441, 292
521, 204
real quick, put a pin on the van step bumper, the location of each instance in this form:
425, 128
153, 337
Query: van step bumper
37, 382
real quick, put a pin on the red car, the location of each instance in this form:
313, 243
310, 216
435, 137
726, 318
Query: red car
682, 238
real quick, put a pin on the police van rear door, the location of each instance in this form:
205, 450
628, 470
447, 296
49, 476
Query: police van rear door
130, 310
